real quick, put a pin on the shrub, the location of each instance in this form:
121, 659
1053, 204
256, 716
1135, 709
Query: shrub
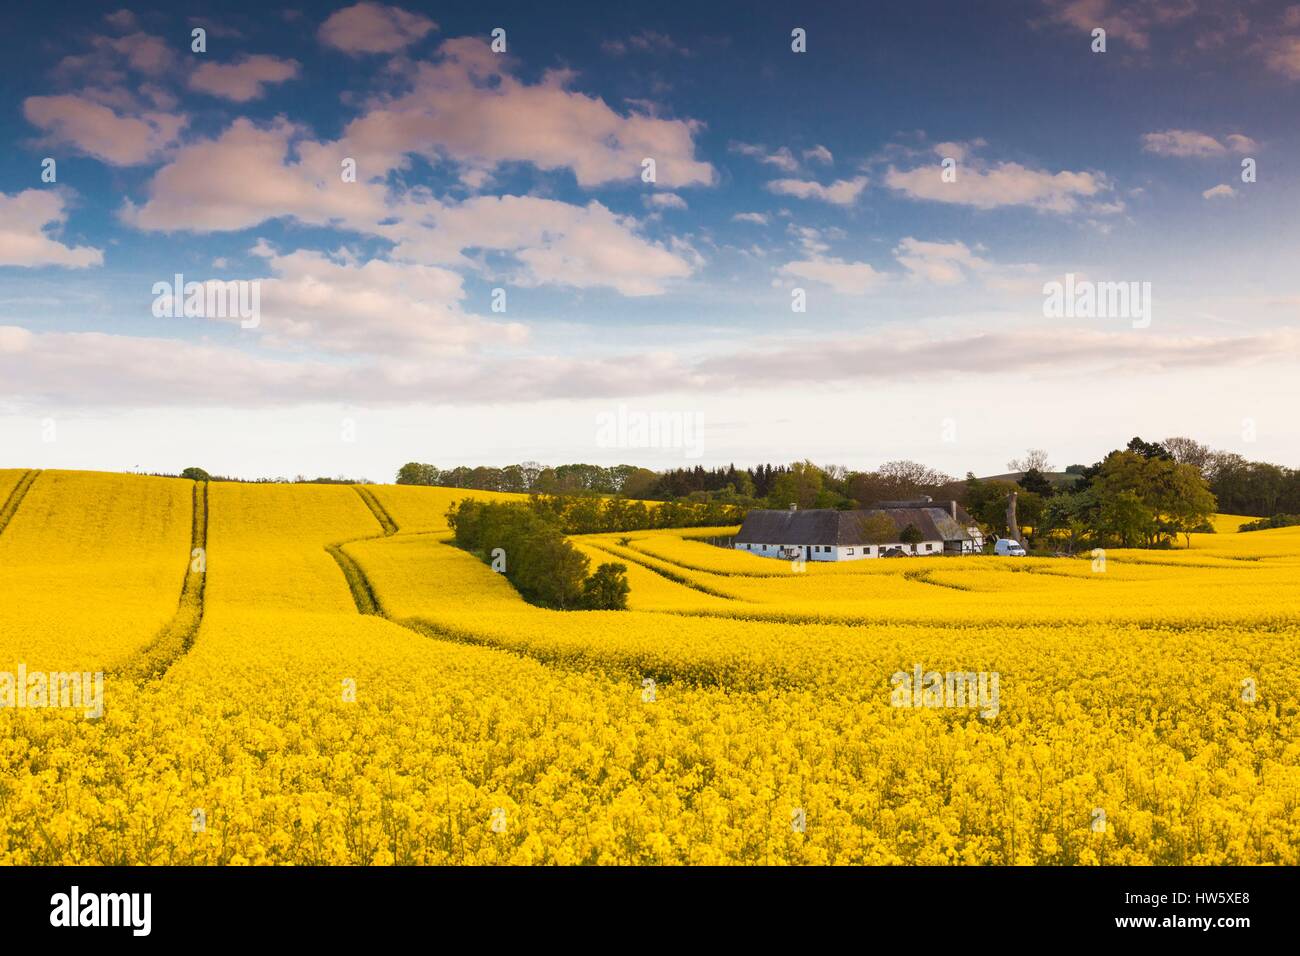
542, 565
1277, 521
607, 589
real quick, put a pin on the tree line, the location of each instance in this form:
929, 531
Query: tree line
527, 545
1138, 496
801, 483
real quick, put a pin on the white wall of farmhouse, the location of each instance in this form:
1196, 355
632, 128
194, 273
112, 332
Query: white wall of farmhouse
833, 552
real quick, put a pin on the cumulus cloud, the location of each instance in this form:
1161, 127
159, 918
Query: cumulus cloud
1282, 54
553, 242
243, 79
989, 186
252, 174
469, 108
26, 219
1186, 143
847, 278
102, 132
143, 53
758, 218
665, 201
781, 158
248, 175
373, 28
1221, 191
941, 263
819, 154
842, 192
1131, 21
375, 307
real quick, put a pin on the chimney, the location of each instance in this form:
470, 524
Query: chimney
952, 509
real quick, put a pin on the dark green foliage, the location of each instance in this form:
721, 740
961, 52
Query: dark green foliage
1277, 521
911, 535
1034, 480
526, 542
607, 588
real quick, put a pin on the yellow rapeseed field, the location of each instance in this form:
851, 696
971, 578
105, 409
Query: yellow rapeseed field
741, 711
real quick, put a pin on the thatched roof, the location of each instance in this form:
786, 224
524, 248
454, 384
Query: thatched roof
827, 526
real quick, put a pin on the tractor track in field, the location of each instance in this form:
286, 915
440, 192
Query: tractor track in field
378, 510
676, 578
363, 592
16, 497
178, 635
924, 576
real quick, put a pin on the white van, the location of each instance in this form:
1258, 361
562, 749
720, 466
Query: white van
1008, 548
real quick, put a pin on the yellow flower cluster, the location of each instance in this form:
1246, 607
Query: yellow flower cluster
461, 725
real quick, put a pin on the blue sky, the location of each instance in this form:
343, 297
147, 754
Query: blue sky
924, 334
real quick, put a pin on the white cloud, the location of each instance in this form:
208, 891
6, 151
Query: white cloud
1282, 54
757, 218
665, 201
647, 41
376, 307
26, 218
470, 109
246, 176
1221, 191
114, 371
847, 278
1130, 22
252, 174
142, 52
781, 158
1001, 184
842, 192
100, 131
819, 154
373, 28
553, 242
941, 263
1191, 143
243, 79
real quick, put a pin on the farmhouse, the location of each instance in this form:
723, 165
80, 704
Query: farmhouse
824, 534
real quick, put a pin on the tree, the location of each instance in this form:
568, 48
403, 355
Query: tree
1124, 516
640, 483
894, 480
1188, 451
878, 528
911, 535
1184, 501
415, 473
1148, 449
1068, 515
607, 588
548, 570
196, 474
987, 503
799, 485
1035, 459
1034, 480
